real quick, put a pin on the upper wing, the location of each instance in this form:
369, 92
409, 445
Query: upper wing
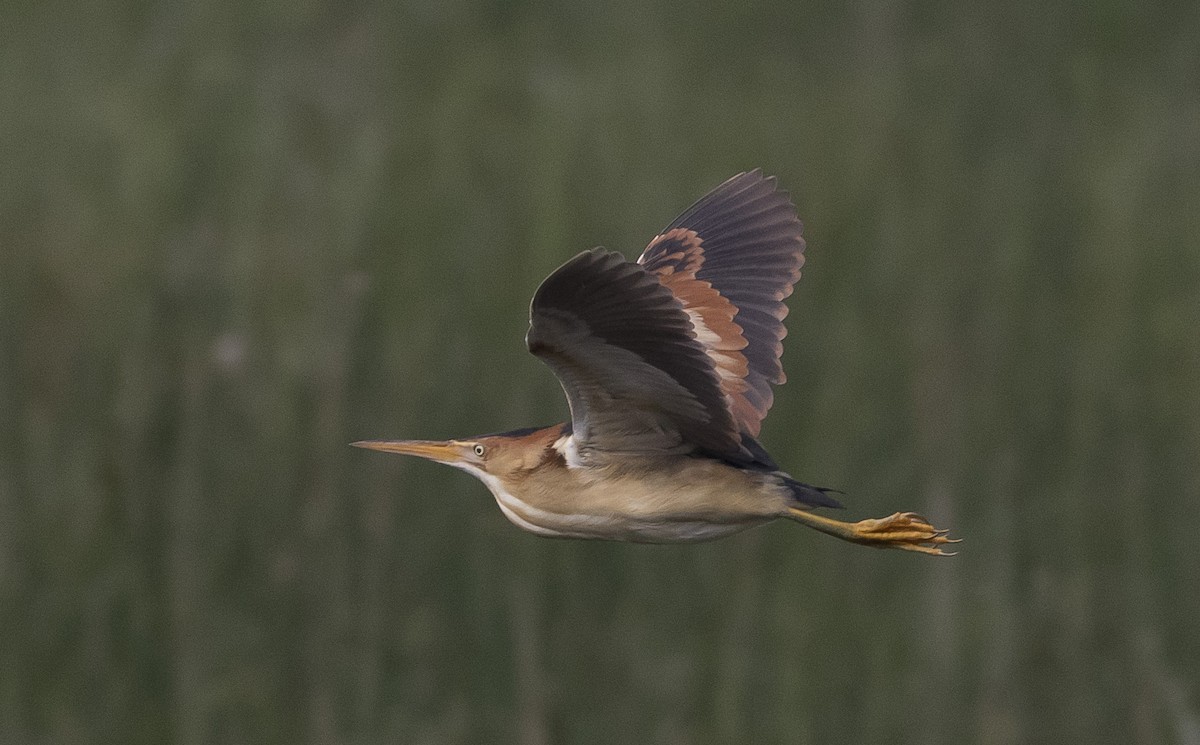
625, 352
731, 259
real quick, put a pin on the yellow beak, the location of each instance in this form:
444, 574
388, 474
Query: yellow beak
442, 452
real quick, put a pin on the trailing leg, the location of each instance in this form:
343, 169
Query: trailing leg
906, 531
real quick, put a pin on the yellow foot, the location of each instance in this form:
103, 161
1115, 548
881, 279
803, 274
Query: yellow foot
906, 531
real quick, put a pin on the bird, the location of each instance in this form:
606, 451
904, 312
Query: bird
667, 364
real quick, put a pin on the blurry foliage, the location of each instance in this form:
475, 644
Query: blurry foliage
236, 236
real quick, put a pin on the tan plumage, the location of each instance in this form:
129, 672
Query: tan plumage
667, 365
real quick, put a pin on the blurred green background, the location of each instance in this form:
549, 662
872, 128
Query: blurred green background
235, 237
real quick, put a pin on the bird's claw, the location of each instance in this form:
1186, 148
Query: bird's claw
907, 531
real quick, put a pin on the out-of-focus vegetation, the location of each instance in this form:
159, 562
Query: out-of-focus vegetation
236, 236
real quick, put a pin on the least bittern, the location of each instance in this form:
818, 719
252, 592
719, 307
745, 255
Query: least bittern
667, 364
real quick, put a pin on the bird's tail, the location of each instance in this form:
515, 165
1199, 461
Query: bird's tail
811, 496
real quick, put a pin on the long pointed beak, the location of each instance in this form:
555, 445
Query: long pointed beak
442, 452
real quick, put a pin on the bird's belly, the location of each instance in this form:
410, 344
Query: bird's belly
623, 527
661, 517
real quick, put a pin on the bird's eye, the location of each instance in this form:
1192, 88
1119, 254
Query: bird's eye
478, 450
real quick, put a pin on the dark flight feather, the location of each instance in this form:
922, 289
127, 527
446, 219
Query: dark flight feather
627, 357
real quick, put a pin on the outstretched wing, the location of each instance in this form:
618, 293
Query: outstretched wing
731, 259
623, 347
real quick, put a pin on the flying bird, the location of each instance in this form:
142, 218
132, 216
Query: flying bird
667, 364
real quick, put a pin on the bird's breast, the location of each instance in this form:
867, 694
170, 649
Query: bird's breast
681, 500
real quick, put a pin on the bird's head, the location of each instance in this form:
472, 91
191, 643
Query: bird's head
503, 457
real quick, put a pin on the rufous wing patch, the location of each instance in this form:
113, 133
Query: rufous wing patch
744, 239
678, 257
